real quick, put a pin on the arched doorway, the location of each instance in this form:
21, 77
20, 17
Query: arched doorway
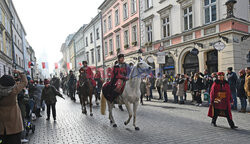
169, 70
191, 63
212, 61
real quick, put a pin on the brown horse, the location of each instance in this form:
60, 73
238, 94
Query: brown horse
86, 91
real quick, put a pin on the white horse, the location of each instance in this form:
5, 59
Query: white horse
130, 95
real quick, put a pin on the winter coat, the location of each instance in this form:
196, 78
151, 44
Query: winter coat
196, 85
240, 87
10, 114
224, 104
148, 85
165, 84
143, 87
232, 80
55, 82
180, 87
38, 94
174, 88
247, 85
49, 95
158, 82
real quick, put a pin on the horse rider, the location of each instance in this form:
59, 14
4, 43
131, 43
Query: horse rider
71, 84
99, 80
89, 73
120, 73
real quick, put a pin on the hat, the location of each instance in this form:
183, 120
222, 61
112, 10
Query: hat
70, 71
46, 81
7, 80
120, 56
230, 68
220, 73
84, 62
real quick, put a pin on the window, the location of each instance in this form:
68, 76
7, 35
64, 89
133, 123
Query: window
1, 40
87, 55
16, 59
149, 33
126, 38
92, 56
98, 55
118, 44
134, 33
110, 45
97, 34
133, 6
106, 48
165, 27
86, 43
104, 26
117, 21
110, 22
91, 38
188, 18
210, 10
125, 11
148, 3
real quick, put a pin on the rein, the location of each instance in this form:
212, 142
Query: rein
140, 71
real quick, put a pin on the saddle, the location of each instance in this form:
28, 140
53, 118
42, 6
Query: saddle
112, 91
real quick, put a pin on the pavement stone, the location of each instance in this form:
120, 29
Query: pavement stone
159, 123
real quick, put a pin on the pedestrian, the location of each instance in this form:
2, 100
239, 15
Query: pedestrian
180, 89
71, 85
241, 91
143, 89
165, 87
158, 85
174, 91
55, 81
232, 80
220, 101
11, 123
37, 97
197, 86
49, 94
148, 86
247, 84
152, 82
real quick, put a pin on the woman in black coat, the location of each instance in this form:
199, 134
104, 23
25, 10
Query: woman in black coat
240, 90
196, 87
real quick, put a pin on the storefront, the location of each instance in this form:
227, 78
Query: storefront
212, 61
191, 63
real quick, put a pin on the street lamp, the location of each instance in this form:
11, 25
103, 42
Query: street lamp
230, 8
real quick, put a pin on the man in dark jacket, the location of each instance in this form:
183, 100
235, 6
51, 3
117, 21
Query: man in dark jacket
49, 94
232, 80
71, 85
55, 81
240, 90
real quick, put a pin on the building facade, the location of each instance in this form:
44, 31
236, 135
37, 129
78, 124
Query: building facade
79, 48
188, 31
121, 26
6, 61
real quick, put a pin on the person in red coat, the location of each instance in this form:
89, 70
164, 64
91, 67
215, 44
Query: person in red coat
221, 99
89, 73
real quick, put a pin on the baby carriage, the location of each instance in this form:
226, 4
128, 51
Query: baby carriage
29, 126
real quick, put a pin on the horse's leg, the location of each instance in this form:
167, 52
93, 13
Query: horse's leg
135, 106
127, 104
111, 118
84, 104
90, 103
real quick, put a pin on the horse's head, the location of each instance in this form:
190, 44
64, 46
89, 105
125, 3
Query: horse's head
143, 65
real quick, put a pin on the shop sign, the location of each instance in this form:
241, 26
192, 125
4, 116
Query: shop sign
161, 57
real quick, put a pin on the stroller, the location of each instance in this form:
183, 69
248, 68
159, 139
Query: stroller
29, 126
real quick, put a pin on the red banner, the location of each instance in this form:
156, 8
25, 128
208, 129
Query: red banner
29, 64
68, 66
56, 65
43, 65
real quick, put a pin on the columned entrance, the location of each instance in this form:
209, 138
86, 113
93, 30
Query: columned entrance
212, 61
191, 63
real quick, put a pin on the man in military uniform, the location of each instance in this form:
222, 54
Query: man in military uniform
71, 85
89, 73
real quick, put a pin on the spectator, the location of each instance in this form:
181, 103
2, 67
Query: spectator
174, 91
143, 89
158, 85
37, 97
151, 80
232, 80
247, 83
148, 87
196, 88
220, 101
55, 81
10, 129
180, 89
165, 87
186, 83
49, 96
240, 90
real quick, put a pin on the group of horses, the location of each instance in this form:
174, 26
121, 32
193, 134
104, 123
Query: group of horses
130, 95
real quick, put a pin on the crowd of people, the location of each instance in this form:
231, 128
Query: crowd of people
197, 84
21, 102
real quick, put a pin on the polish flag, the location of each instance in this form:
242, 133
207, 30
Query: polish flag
45, 65
56, 65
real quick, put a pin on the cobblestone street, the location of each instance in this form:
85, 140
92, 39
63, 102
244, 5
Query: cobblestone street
158, 122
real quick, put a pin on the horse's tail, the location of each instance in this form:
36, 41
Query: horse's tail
103, 104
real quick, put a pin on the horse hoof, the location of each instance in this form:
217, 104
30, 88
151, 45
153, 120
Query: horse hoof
91, 114
125, 123
111, 122
114, 125
137, 128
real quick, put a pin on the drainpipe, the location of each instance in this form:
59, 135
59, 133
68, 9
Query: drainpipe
95, 46
103, 61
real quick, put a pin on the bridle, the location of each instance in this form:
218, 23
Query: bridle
140, 71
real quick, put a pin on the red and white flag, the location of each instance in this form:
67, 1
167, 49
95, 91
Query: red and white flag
45, 65
69, 66
56, 65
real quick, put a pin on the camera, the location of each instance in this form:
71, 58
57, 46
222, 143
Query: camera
15, 75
